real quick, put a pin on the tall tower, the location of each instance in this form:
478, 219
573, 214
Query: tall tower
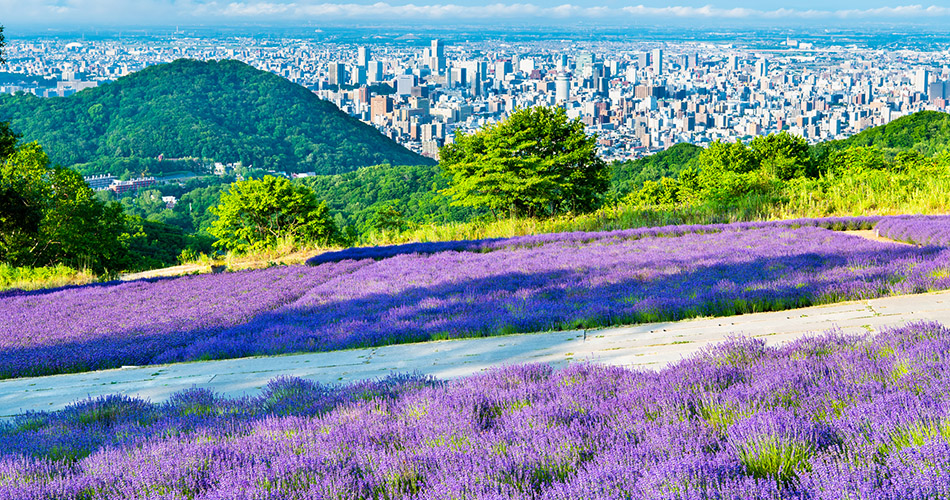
437, 52
657, 61
562, 88
362, 57
921, 80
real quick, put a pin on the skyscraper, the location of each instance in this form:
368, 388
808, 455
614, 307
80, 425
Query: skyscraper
374, 72
657, 61
336, 74
362, 57
437, 53
921, 79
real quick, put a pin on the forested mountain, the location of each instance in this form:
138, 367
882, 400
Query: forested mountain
222, 110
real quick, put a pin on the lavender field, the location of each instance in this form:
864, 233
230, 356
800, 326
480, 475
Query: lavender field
917, 229
826, 417
536, 283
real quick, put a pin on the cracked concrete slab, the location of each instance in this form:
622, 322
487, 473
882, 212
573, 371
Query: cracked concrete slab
652, 345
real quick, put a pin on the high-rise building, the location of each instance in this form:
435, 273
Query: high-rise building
761, 68
526, 65
458, 77
643, 60
336, 74
374, 73
362, 57
562, 88
404, 84
938, 90
437, 54
475, 79
921, 80
583, 61
358, 75
657, 61
732, 64
381, 105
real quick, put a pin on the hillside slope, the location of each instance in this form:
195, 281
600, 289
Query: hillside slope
225, 110
927, 132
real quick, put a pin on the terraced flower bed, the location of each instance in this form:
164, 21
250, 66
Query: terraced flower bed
824, 417
537, 283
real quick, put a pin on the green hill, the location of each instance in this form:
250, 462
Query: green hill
630, 175
222, 110
927, 132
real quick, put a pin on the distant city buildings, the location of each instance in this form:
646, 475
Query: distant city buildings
639, 96
111, 182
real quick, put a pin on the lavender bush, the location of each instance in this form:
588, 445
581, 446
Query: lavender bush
574, 280
917, 229
825, 417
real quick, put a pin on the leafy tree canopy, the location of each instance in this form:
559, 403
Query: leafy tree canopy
783, 155
629, 176
535, 163
256, 214
49, 215
225, 111
361, 197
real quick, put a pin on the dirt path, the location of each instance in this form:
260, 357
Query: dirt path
649, 346
873, 235
232, 265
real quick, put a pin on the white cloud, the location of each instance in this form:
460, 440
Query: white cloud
210, 11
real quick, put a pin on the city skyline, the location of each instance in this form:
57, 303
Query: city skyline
727, 12
639, 95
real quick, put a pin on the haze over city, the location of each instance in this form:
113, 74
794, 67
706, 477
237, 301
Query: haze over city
158, 12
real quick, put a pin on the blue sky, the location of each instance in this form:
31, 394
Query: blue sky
189, 12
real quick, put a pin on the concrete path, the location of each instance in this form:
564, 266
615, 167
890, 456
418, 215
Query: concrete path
647, 345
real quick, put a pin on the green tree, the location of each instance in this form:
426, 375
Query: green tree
387, 217
722, 157
727, 173
783, 155
255, 214
535, 163
57, 218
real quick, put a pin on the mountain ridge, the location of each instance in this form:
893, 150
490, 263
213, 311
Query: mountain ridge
225, 110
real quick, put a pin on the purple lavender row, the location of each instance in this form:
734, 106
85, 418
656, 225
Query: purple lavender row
564, 285
491, 244
825, 417
140, 322
917, 229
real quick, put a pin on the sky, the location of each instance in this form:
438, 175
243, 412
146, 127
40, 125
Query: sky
227, 12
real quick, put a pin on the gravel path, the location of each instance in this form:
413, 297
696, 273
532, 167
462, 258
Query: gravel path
649, 346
